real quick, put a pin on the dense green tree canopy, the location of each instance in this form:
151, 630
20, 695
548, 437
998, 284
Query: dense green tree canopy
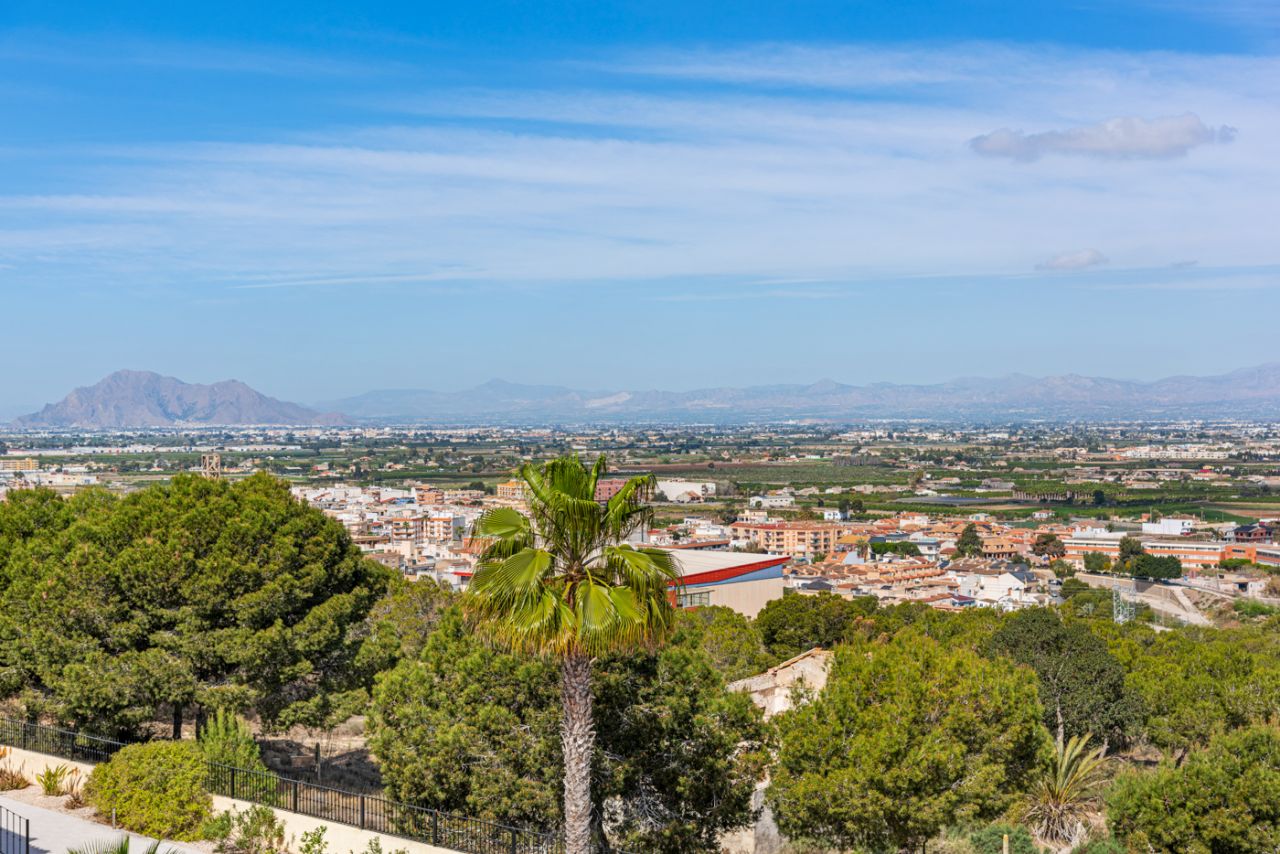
1097, 562
899, 547
399, 624
969, 544
798, 622
1048, 545
680, 756
732, 642
1082, 686
908, 737
469, 728
198, 591
1225, 798
1195, 683
1130, 547
1150, 566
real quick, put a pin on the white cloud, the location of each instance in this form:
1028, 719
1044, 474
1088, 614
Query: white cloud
1080, 260
626, 180
1125, 137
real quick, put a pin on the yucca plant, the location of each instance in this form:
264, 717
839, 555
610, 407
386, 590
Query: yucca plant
11, 778
1059, 803
564, 582
73, 788
52, 778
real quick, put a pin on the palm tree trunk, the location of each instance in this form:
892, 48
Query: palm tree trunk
578, 738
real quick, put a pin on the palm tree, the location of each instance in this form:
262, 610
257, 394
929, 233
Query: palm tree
562, 581
1058, 805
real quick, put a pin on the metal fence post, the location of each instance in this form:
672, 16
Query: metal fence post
331, 804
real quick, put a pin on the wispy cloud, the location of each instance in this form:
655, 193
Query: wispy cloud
1119, 138
37, 46
652, 174
1246, 14
1079, 260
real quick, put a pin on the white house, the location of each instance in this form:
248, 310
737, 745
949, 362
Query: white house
772, 502
1170, 526
997, 588
684, 491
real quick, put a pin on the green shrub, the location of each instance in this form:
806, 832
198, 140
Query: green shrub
375, 847
227, 739
217, 827
254, 831
990, 840
1253, 608
1225, 797
313, 842
1100, 846
155, 789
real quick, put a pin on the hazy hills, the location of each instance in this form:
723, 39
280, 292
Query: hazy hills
1250, 392
144, 399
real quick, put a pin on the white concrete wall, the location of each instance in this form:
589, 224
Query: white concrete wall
340, 837
31, 763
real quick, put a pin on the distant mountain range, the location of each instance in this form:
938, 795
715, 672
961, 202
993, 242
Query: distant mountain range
142, 399
128, 399
1250, 392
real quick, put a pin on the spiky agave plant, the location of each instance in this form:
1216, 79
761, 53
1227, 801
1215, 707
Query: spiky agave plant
1058, 805
563, 581
117, 846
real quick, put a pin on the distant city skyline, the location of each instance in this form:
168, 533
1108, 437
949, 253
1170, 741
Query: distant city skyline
321, 202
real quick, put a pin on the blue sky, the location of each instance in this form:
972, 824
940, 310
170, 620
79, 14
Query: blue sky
321, 200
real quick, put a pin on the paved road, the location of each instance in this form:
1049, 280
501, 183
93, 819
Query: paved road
56, 833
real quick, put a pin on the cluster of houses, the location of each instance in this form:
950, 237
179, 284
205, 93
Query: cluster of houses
424, 532
421, 531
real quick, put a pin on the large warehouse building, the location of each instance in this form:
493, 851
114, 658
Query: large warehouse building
743, 582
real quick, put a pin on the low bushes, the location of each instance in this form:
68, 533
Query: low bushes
155, 789
10, 778
254, 831
990, 840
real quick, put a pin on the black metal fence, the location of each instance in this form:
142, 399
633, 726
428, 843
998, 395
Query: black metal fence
367, 812
52, 741
15, 833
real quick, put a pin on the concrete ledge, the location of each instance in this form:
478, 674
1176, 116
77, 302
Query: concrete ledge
341, 838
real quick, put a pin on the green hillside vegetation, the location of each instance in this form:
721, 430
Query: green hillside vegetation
176, 600
204, 599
